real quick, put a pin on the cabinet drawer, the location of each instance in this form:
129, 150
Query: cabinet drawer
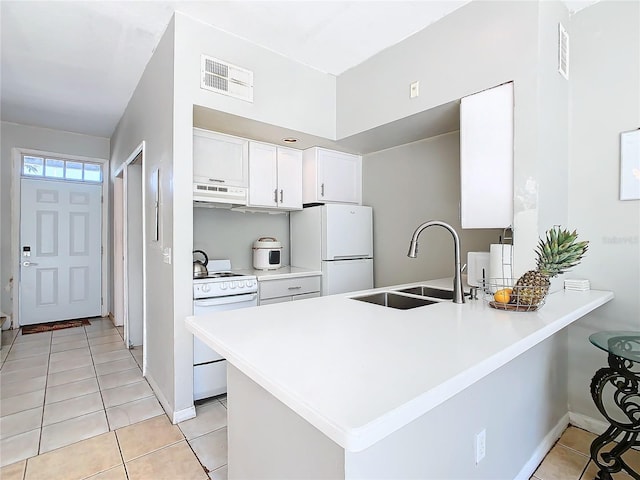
289, 286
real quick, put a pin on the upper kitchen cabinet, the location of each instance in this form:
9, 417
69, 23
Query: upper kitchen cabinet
331, 177
486, 158
275, 177
220, 159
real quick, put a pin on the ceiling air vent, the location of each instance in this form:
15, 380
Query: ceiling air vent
222, 77
563, 51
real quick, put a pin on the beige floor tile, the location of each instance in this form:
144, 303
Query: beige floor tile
71, 390
77, 461
25, 363
126, 393
69, 338
67, 332
101, 332
209, 417
74, 407
108, 347
20, 352
70, 376
8, 336
68, 346
19, 447
592, 470
116, 366
211, 449
11, 389
176, 461
111, 356
561, 463
577, 439
69, 364
117, 473
632, 458
145, 437
34, 337
15, 471
19, 403
133, 412
19, 375
20, 422
114, 337
71, 431
221, 473
118, 379
76, 353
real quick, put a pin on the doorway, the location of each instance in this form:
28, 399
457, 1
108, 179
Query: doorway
58, 233
129, 249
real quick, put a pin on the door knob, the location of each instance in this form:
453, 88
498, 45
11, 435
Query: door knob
28, 264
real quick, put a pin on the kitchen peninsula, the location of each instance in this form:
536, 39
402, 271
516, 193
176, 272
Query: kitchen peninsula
332, 387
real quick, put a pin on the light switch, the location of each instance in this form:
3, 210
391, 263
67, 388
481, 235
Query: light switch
415, 89
166, 255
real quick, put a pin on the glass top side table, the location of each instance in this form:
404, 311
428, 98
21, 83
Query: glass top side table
620, 381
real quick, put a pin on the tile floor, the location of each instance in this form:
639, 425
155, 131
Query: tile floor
569, 459
74, 405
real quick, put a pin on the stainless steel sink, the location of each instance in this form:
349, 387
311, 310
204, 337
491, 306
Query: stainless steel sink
425, 291
395, 300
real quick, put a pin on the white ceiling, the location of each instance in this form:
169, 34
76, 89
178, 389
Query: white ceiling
73, 65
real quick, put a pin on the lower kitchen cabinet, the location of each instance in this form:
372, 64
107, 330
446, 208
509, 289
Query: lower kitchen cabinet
288, 289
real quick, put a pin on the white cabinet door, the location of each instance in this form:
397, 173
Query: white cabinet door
289, 178
262, 175
219, 159
486, 158
330, 176
340, 176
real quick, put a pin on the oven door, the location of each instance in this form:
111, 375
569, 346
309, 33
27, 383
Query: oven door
209, 368
205, 306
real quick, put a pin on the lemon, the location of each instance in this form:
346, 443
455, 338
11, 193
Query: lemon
503, 296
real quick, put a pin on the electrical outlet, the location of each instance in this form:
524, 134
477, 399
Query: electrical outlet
414, 89
166, 255
481, 445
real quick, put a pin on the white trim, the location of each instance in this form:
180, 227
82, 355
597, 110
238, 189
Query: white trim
175, 416
184, 414
588, 423
17, 153
140, 149
543, 448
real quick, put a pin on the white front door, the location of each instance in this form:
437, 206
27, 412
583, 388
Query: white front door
60, 250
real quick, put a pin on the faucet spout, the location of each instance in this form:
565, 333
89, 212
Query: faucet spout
458, 296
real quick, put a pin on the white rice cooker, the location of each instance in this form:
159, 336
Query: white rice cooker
267, 252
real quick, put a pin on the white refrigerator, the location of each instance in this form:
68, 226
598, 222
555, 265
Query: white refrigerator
338, 240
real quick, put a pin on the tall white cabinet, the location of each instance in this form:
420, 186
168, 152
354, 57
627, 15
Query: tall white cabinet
275, 176
330, 176
486, 158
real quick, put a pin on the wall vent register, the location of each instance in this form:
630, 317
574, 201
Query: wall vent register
222, 77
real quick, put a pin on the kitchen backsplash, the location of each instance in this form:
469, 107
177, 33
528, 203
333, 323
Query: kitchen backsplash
223, 233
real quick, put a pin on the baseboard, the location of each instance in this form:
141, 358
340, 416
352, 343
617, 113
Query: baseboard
587, 423
184, 414
538, 455
175, 416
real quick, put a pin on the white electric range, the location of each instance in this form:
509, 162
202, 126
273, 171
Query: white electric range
220, 290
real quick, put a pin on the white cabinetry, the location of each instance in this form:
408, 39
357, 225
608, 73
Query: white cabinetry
288, 289
330, 176
275, 176
220, 159
486, 158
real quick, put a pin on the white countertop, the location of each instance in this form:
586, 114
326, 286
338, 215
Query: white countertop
280, 273
359, 371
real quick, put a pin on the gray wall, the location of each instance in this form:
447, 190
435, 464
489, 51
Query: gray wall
54, 141
222, 233
605, 100
148, 117
406, 186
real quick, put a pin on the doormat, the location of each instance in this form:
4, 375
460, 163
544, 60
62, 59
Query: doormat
47, 327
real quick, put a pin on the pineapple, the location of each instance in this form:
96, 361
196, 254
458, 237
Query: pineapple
557, 254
